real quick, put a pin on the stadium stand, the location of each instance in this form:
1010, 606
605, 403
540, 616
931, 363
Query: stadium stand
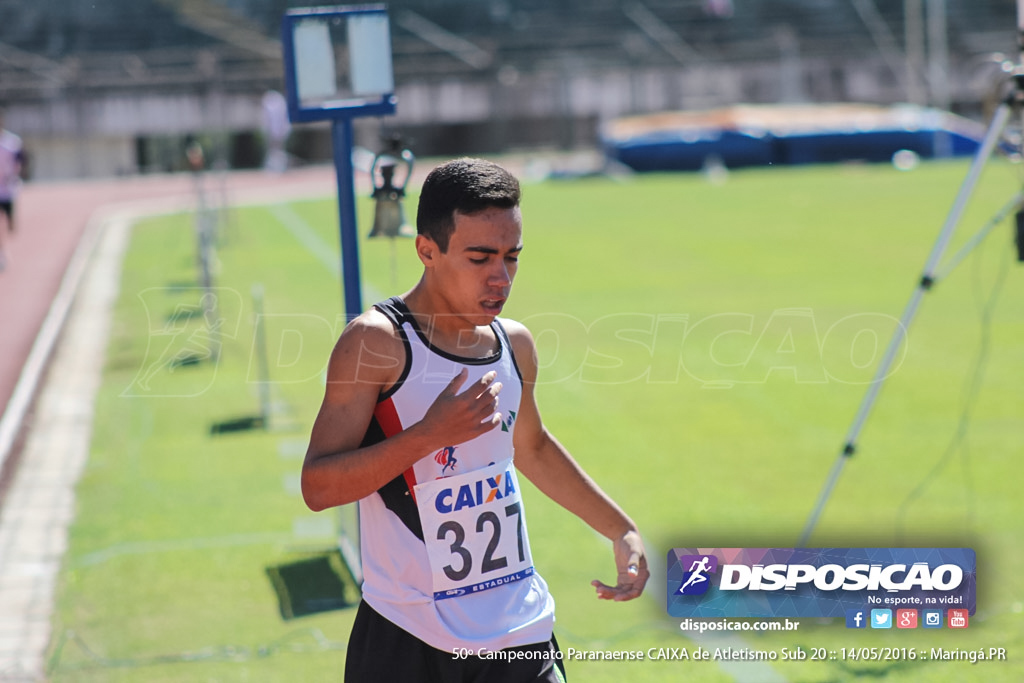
528, 35
493, 74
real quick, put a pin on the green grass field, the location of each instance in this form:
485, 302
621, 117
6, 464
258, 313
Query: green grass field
705, 348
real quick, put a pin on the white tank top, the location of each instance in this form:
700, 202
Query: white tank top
444, 547
10, 160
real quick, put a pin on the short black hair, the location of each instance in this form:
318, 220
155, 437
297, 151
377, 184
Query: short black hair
465, 185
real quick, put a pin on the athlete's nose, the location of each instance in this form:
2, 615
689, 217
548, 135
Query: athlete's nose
500, 276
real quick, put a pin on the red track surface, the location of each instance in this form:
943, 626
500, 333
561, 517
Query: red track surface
51, 218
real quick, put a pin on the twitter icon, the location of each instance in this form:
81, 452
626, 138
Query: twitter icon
881, 618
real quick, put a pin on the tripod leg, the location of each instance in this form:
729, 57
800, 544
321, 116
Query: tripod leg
988, 145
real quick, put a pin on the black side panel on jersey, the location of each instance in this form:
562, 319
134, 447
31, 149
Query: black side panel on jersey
396, 494
398, 498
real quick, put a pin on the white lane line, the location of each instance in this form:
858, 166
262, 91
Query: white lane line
40, 503
327, 254
46, 339
164, 546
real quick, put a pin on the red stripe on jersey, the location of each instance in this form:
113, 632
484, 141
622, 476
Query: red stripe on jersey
387, 418
391, 424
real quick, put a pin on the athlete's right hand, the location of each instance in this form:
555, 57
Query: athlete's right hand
457, 418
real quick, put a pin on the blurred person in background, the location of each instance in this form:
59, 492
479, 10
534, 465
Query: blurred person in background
11, 166
276, 128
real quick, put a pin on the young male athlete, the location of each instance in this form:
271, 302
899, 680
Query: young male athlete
428, 418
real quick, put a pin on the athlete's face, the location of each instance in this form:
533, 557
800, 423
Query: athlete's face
474, 276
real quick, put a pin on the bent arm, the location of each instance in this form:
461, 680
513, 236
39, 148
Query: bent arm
553, 470
337, 470
367, 359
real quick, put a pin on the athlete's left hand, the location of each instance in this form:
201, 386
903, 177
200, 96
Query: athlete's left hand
631, 562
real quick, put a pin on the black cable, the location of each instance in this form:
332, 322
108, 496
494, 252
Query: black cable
972, 385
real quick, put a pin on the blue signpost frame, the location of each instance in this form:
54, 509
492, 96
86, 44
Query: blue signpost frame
340, 110
315, 93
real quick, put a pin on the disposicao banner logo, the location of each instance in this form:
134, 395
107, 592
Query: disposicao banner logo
817, 582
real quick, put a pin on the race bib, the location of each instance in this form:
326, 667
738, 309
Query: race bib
474, 530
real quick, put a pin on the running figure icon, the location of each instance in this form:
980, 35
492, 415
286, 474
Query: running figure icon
697, 573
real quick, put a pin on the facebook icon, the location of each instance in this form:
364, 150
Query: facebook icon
856, 618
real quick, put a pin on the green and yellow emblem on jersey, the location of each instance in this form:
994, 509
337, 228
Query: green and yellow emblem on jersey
506, 424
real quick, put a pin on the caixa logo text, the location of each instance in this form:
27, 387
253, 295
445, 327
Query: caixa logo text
831, 577
476, 493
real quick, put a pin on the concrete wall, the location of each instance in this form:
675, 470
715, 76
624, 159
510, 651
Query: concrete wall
62, 157
94, 134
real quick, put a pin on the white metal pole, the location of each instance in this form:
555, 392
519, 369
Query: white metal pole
988, 145
938, 55
913, 23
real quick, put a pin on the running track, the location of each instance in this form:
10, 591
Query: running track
51, 221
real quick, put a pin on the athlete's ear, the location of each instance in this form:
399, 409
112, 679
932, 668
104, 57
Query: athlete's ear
426, 249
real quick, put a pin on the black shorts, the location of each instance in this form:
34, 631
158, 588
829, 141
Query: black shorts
378, 650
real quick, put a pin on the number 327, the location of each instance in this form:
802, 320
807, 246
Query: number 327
489, 563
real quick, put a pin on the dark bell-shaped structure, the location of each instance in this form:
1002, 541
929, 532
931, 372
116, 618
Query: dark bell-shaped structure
389, 215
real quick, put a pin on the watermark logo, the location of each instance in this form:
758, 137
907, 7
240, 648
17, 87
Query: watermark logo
906, 618
187, 328
820, 582
931, 618
697, 578
881, 618
856, 618
718, 351
957, 618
